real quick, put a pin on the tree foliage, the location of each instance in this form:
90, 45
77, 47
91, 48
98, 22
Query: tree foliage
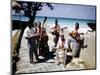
30, 8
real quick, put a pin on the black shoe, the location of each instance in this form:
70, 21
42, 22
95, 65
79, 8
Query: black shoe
31, 61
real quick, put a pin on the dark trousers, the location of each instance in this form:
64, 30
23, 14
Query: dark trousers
32, 48
81, 45
56, 39
43, 49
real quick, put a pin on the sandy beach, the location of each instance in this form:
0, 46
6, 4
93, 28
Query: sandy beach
89, 54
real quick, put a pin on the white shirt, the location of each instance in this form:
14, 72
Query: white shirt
52, 27
29, 32
60, 43
73, 43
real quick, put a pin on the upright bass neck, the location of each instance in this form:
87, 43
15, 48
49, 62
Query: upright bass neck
44, 21
42, 28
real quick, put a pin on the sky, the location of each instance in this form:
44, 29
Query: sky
69, 11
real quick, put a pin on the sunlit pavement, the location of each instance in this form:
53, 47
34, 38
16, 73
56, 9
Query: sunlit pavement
24, 66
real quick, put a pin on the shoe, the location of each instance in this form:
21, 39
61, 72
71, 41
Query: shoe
31, 61
36, 61
57, 62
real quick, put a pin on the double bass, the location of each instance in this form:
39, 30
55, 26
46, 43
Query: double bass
43, 31
43, 39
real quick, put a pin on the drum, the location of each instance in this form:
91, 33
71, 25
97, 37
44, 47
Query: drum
60, 53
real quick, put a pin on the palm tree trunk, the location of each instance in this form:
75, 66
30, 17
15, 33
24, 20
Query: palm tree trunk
32, 18
19, 40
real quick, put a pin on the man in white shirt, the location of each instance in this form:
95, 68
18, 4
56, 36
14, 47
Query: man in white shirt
30, 35
55, 31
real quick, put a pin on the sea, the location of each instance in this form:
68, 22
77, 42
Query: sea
69, 22
63, 22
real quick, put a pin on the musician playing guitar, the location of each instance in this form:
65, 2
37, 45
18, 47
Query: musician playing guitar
55, 32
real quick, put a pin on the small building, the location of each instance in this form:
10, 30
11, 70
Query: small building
19, 21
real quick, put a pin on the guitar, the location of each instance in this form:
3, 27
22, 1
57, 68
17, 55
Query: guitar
57, 30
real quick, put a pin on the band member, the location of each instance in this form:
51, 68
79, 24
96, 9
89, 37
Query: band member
30, 34
80, 35
42, 40
60, 52
55, 32
38, 28
43, 44
73, 44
